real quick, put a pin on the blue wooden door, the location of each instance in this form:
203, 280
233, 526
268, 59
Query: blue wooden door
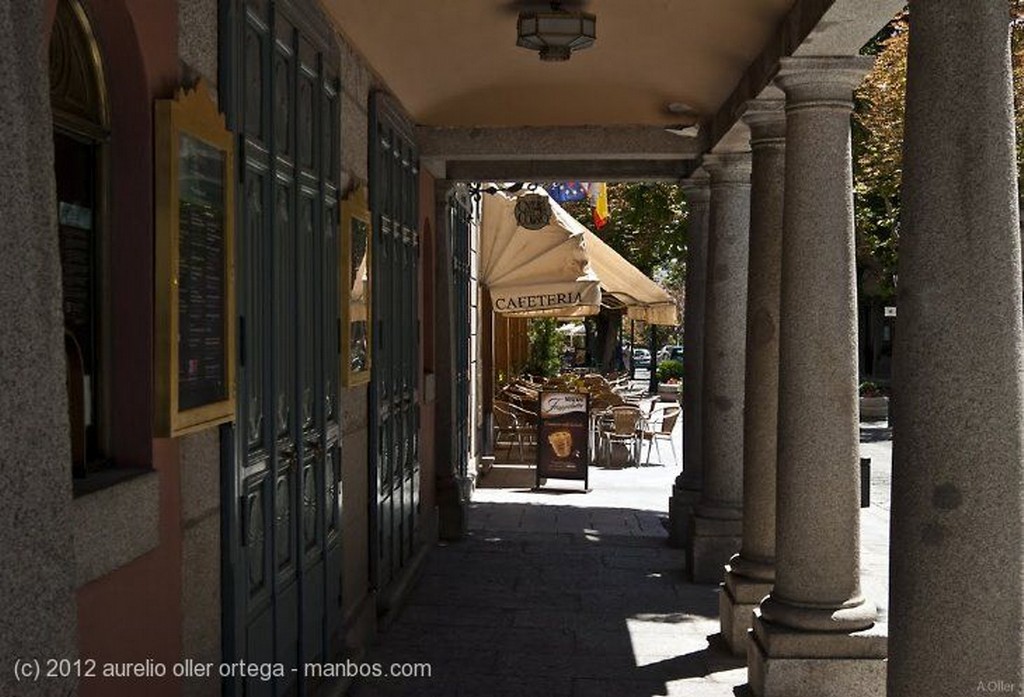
282, 459
394, 384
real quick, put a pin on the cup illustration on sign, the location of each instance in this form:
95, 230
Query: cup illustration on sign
561, 443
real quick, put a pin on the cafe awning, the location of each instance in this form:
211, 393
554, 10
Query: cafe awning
643, 298
561, 269
542, 272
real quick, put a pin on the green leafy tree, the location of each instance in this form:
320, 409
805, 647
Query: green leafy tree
545, 347
878, 158
878, 146
647, 226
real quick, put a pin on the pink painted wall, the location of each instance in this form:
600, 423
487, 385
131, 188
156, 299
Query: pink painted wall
134, 613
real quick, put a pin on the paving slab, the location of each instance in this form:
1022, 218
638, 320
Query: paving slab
579, 595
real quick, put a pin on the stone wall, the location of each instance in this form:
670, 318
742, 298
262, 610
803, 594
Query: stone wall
358, 605
200, 452
37, 573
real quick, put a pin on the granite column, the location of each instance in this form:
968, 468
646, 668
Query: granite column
811, 629
37, 576
749, 574
717, 518
957, 540
686, 490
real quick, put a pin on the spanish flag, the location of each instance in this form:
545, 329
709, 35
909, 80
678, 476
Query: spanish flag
599, 200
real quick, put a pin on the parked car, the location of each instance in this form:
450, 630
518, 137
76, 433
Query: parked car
641, 358
673, 352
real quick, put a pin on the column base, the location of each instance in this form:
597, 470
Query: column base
712, 543
784, 662
680, 510
736, 604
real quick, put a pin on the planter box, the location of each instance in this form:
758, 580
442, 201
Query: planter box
668, 393
874, 408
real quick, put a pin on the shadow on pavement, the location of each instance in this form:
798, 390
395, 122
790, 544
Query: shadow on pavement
548, 601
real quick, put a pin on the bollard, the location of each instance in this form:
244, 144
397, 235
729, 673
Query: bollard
865, 482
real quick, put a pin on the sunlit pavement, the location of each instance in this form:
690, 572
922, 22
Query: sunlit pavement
560, 592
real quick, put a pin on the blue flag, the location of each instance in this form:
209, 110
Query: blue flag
562, 192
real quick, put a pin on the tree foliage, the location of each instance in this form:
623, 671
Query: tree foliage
545, 347
878, 146
647, 227
647, 224
878, 158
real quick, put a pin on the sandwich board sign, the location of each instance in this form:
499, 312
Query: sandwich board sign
563, 438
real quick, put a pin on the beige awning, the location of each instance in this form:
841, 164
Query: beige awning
561, 270
643, 298
535, 273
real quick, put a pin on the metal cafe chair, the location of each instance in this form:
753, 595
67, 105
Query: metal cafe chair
665, 424
625, 430
508, 424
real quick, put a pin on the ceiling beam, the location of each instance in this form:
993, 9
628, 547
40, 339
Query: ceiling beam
794, 28
556, 143
607, 170
811, 28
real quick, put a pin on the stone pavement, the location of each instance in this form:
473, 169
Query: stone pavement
577, 594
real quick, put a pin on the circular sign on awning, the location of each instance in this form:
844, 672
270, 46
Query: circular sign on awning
533, 211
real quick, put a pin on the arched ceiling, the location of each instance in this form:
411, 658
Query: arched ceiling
455, 62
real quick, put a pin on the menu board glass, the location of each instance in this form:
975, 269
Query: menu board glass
202, 370
194, 348
356, 270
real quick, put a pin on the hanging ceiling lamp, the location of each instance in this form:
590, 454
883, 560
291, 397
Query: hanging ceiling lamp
556, 33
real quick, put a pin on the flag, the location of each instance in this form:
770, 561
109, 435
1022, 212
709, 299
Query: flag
563, 192
599, 200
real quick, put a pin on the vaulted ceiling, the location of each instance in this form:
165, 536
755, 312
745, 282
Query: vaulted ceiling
456, 63
488, 109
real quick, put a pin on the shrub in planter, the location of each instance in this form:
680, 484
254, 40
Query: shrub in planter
670, 374
871, 389
874, 404
670, 371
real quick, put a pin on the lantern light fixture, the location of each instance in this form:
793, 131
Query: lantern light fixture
556, 33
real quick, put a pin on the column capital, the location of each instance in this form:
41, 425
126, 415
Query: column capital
728, 167
696, 187
766, 118
822, 81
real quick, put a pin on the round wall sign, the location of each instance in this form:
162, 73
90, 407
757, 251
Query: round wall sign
533, 211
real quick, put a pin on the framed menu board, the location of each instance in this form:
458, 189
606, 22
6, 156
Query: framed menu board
355, 288
195, 305
563, 437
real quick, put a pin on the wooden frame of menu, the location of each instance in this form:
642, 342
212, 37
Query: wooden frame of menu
194, 350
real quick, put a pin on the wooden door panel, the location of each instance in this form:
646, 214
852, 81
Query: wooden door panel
282, 487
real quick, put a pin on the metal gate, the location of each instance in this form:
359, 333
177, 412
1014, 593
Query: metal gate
460, 214
394, 393
282, 461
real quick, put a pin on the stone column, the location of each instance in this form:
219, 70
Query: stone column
956, 551
686, 489
717, 519
749, 574
37, 576
809, 630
